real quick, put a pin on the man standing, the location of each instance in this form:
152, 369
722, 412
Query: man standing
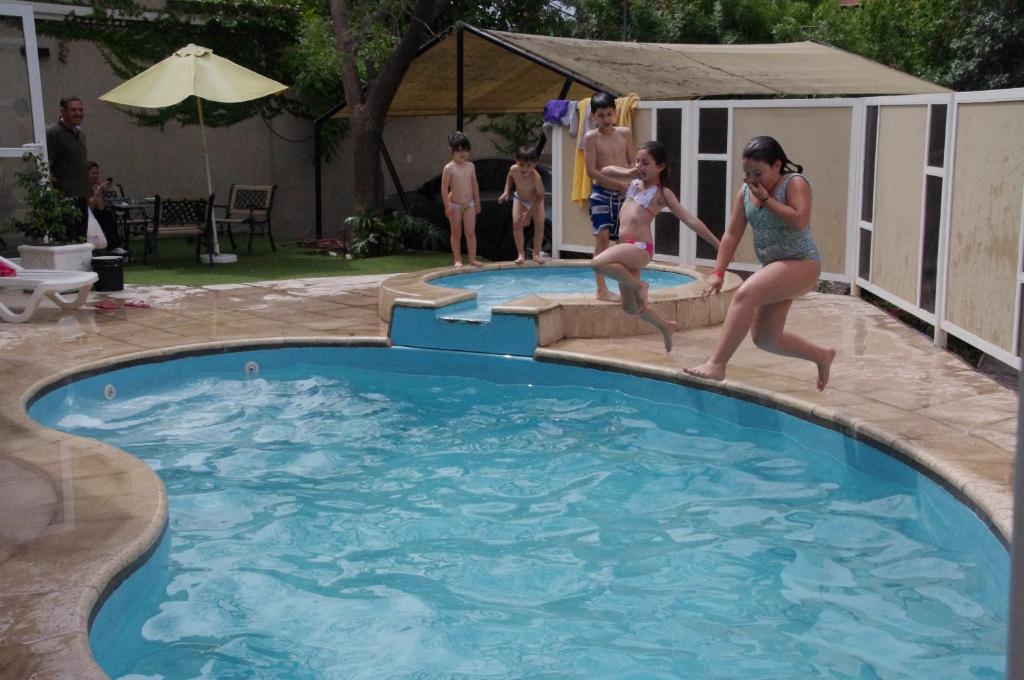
69, 161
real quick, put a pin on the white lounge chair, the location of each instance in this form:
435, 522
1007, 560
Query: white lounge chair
68, 289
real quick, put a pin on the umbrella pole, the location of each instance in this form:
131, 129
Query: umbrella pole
215, 256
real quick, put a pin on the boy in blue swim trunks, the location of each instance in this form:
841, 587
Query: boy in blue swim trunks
606, 145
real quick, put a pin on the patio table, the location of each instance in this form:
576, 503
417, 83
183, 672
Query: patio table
130, 211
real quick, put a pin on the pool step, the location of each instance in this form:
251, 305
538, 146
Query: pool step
511, 334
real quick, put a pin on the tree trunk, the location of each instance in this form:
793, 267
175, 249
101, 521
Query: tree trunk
367, 182
368, 104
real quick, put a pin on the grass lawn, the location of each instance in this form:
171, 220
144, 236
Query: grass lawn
178, 265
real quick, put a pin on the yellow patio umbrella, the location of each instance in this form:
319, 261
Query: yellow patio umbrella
194, 71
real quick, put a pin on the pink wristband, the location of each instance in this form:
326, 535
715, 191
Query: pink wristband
718, 272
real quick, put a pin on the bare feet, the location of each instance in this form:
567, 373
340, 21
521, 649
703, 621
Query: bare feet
708, 370
825, 367
538, 259
666, 334
474, 263
520, 259
458, 263
608, 296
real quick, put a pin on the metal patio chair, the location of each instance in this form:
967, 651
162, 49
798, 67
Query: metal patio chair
250, 205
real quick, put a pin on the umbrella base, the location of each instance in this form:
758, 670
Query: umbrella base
221, 258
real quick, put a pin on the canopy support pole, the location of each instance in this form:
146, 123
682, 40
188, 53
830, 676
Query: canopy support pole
318, 180
543, 137
394, 177
318, 160
459, 57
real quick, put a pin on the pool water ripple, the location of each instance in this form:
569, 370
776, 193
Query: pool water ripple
368, 524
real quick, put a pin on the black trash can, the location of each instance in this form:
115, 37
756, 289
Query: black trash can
110, 269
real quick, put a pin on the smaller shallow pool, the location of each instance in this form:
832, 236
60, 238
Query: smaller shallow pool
497, 286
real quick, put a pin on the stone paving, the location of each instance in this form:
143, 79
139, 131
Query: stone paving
74, 512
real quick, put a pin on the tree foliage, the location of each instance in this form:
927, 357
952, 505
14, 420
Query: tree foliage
376, 43
694, 21
986, 49
257, 34
963, 44
910, 35
361, 48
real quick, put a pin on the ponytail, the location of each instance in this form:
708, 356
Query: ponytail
768, 150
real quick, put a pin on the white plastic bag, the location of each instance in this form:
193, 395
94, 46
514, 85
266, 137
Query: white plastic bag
94, 233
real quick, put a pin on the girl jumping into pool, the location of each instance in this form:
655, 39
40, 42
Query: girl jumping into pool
776, 200
646, 196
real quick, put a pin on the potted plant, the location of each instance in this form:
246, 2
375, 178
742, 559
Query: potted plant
44, 222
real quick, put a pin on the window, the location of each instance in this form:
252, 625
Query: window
670, 132
712, 174
864, 268
937, 136
714, 131
867, 203
930, 241
666, 225
1020, 327
934, 176
711, 199
666, 234
867, 200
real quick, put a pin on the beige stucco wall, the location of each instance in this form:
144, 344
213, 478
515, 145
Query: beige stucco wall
576, 229
146, 161
419, 146
899, 174
819, 140
985, 220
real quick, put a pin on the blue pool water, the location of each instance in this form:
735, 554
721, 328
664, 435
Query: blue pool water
396, 513
496, 286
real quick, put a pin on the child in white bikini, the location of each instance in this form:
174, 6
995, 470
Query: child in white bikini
527, 202
646, 196
460, 194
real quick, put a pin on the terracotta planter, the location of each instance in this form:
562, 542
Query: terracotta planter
73, 257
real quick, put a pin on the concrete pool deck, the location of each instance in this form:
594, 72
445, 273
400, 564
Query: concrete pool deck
74, 512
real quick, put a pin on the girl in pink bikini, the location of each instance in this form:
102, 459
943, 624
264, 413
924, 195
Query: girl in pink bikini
646, 196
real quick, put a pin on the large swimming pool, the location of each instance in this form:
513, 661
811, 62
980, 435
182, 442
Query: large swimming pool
386, 513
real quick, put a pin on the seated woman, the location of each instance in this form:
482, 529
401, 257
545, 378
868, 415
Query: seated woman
104, 215
646, 196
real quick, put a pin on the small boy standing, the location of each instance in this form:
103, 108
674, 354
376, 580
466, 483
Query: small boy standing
527, 202
607, 144
460, 194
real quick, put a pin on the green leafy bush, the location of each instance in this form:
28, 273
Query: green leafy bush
49, 210
376, 233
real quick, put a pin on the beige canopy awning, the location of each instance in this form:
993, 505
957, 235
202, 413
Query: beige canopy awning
518, 73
